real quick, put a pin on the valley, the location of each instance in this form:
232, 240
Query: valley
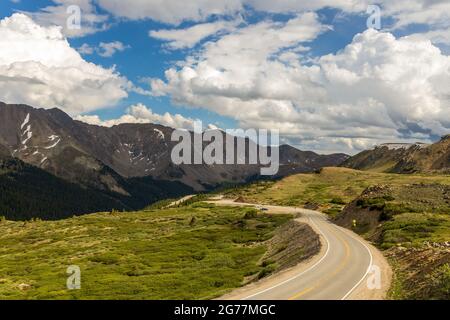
181, 249
125, 167
110, 201
224, 159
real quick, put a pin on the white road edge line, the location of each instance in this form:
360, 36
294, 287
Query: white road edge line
301, 273
368, 268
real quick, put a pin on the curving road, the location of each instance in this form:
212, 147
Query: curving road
336, 273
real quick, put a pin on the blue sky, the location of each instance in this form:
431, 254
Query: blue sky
144, 58
294, 86
147, 58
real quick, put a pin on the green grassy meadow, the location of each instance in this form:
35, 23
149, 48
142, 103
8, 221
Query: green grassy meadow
329, 188
413, 229
200, 251
197, 251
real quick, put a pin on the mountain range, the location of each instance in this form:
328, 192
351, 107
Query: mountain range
124, 167
404, 158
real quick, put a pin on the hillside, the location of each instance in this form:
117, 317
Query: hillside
405, 215
95, 156
28, 192
434, 158
404, 158
125, 167
328, 189
194, 252
411, 222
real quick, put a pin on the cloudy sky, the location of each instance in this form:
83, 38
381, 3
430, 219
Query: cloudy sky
312, 69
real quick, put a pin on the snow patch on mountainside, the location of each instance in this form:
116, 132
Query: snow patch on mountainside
53, 145
160, 134
53, 137
25, 122
28, 133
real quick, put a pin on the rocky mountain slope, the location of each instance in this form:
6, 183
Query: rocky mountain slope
28, 192
403, 158
129, 163
98, 156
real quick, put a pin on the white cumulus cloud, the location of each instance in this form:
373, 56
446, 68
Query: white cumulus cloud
38, 67
140, 113
434, 14
376, 89
171, 11
407, 12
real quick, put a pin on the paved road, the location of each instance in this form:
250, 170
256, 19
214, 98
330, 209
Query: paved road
342, 266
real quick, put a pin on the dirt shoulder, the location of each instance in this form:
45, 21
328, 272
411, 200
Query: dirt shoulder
318, 250
379, 264
293, 243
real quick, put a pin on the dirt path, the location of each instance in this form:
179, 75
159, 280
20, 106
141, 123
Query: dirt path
180, 201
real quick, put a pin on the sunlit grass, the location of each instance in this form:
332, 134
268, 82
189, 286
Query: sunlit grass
194, 252
325, 187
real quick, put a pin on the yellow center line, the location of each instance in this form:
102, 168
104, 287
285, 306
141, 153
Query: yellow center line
327, 277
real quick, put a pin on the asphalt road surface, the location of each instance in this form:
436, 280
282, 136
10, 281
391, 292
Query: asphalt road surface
343, 265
